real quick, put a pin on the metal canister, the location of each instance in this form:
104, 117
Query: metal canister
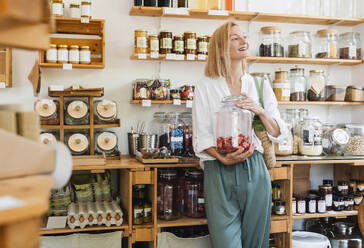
133, 141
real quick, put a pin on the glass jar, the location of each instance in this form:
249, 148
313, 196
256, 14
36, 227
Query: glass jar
62, 54
75, 11
194, 198
47, 110
176, 133
301, 205
159, 89
141, 90
311, 137
276, 192
85, 55
202, 45
354, 94
86, 9
178, 44
311, 204
153, 43
76, 112
182, 3
78, 143
350, 45
356, 143
138, 212
358, 198
165, 3
293, 115
208, 43
360, 186
339, 203
140, 41
190, 42
348, 203
187, 92
74, 54
281, 86
188, 151
147, 217
139, 191
335, 93
175, 94
298, 84
156, 126
105, 111
48, 138
321, 204
57, 8
326, 192
299, 45
279, 207
334, 140
272, 42
327, 44
151, 3
51, 56
165, 42
316, 86
161, 127
106, 143
343, 187
294, 205
353, 186
234, 126
285, 146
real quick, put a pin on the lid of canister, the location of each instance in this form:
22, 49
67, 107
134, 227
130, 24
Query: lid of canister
78, 142
354, 87
107, 141
189, 32
85, 3
328, 182
85, 47
77, 109
299, 33
45, 107
165, 31
52, 45
281, 74
326, 32
316, 71
297, 69
232, 98
106, 108
74, 5
62, 46
302, 239
153, 35
140, 30
340, 137
47, 138
270, 29
74, 46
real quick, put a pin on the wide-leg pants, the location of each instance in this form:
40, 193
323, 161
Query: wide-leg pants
238, 202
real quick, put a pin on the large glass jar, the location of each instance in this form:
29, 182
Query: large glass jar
316, 86
194, 198
327, 44
106, 142
47, 110
76, 111
298, 84
159, 89
233, 127
299, 45
140, 41
186, 117
141, 90
356, 142
285, 146
349, 44
169, 204
293, 115
176, 133
105, 111
334, 140
311, 137
78, 143
272, 42
281, 86
158, 126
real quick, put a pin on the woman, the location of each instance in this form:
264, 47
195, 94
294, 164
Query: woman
237, 186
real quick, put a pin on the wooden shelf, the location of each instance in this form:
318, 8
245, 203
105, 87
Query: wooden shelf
157, 102
74, 66
250, 16
182, 222
294, 159
323, 103
87, 229
162, 57
330, 214
80, 126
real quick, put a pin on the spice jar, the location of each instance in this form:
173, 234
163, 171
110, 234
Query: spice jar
285, 146
272, 43
343, 187
358, 198
187, 92
326, 191
354, 94
186, 117
350, 46
165, 42
281, 86
147, 210
105, 111
301, 205
339, 203
327, 44
47, 110
321, 204
352, 185
194, 198
202, 45
141, 90
74, 54
159, 89
316, 86
178, 44
140, 41
348, 203
176, 133
294, 205
76, 112
279, 207
311, 204
78, 143
311, 137
86, 9
106, 143
234, 126
190, 42
153, 43
175, 94
75, 11
48, 138
85, 55
298, 84
51, 55
62, 54
335, 93
57, 7
299, 45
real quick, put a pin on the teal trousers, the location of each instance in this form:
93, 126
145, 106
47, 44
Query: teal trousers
238, 202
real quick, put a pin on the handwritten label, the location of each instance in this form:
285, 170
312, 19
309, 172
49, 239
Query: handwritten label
171, 56
218, 12
85, 20
154, 55
146, 103
56, 88
176, 102
201, 57
67, 67
189, 104
175, 11
190, 57
142, 56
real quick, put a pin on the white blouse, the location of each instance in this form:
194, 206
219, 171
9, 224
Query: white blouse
207, 101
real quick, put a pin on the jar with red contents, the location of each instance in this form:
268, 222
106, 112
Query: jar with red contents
194, 200
187, 92
234, 126
186, 117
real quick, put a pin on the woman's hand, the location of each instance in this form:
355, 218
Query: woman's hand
250, 105
238, 156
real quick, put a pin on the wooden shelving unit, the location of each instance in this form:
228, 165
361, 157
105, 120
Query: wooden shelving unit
334, 215
6, 74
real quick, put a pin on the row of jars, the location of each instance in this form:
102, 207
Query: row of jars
75, 10
73, 54
106, 142
328, 44
159, 89
278, 205
166, 43
195, 4
76, 111
180, 193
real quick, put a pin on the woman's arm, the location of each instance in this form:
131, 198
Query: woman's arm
231, 158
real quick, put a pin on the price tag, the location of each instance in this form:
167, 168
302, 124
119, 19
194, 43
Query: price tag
2, 85
142, 56
180, 57
171, 56
67, 66
176, 102
154, 55
175, 11
85, 20
189, 104
56, 88
190, 57
56, 222
146, 103
218, 12
201, 57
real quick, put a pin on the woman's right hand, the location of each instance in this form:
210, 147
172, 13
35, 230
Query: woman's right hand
237, 156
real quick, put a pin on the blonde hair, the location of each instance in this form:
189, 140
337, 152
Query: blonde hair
218, 61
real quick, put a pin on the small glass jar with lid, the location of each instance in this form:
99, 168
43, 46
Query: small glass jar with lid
311, 204
57, 8
176, 133
75, 10
153, 43
316, 86
188, 151
349, 203
74, 54
141, 90
349, 44
159, 89
338, 203
187, 92
326, 192
62, 54
190, 42
49, 137
281, 86
51, 56
233, 127
327, 44
311, 137
194, 198
76, 112
271, 42
106, 143
301, 205
86, 9
202, 45
48, 111
165, 42
321, 204
78, 143
298, 84
175, 94
285, 146
343, 187
178, 44
299, 45
85, 55
140, 41
105, 111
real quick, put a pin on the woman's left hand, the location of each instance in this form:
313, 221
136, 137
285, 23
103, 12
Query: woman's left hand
249, 104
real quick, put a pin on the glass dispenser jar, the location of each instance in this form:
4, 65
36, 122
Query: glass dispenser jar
47, 110
49, 137
349, 44
78, 143
299, 45
272, 42
316, 86
105, 111
327, 44
311, 137
285, 146
76, 112
176, 133
298, 84
106, 142
234, 126
159, 127
186, 117
334, 139
281, 86
194, 198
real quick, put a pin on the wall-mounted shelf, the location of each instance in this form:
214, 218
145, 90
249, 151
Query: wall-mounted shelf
323, 103
156, 102
329, 214
162, 57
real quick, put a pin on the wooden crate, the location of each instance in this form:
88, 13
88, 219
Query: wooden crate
6, 67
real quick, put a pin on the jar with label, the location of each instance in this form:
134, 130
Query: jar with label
187, 92
159, 89
153, 43
299, 45
57, 8
343, 187
321, 204
178, 44
327, 44
316, 86
85, 55
279, 207
334, 140
75, 11
176, 133
106, 143
165, 3
358, 198
311, 137
74, 54
326, 191
281, 86
271, 42
350, 45
51, 56
208, 43
140, 41
48, 138
293, 115
147, 218
360, 186
354, 93
298, 84
301, 205
175, 94
339, 204
349, 203
194, 198
311, 204
141, 90
105, 111
62, 54
190, 42
48, 110
353, 185
165, 42
328, 182
86, 9
186, 117
285, 146
78, 143
276, 192
76, 112
202, 45
294, 205
138, 212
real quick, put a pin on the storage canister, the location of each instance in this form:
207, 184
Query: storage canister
335, 93
321, 204
281, 86
57, 7
47, 110
301, 205
105, 111
85, 55
190, 42
76, 112
311, 137
285, 146
279, 207
271, 42
176, 133
141, 90
140, 41
62, 54
106, 142
78, 143
327, 44
75, 10
316, 86
358, 198
74, 54
354, 94
298, 84
86, 9
350, 46
311, 204
48, 138
299, 45
159, 89
51, 56
165, 42
343, 187
194, 197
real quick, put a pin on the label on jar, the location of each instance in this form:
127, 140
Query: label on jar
147, 212
141, 42
86, 10
342, 188
286, 92
325, 143
312, 137
85, 56
52, 54
294, 207
358, 200
348, 203
74, 56
284, 145
138, 213
301, 207
57, 9
167, 43
202, 47
352, 51
190, 57
154, 45
191, 44
321, 206
201, 200
201, 57
328, 199
62, 55
176, 138
178, 46
312, 206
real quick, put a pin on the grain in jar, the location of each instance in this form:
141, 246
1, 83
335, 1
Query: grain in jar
327, 44
165, 42
316, 86
356, 142
178, 44
57, 8
85, 55
153, 43
281, 86
74, 54
299, 45
75, 10
311, 137
190, 42
62, 54
76, 111
350, 46
271, 42
140, 41
48, 111
86, 9
51, 56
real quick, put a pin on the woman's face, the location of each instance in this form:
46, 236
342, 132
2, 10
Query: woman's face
238, 44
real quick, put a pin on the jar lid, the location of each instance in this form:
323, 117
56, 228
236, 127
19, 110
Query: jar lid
326, 32
77, 109
340, 137
153, 35
189, 32
107, 141
140, 30
354, 87
300, 33
86, 3
328, 182
57, 1
106, 108
316, 71
165, 31
47, 138
85, 47
78, 142
74, 5
270, 29
52, 46
62, 46
45, 107
349, 35
326, 186
74, 47
297, 69
159, 115
232, 98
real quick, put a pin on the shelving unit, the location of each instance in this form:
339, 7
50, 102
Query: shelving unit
6, 73
329, 214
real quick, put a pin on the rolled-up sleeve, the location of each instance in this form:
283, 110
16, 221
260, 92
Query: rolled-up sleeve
203, 136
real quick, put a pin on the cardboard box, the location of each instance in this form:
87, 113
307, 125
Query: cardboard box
301, 171
301, 187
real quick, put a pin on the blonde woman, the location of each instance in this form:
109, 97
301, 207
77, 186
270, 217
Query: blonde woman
237, 186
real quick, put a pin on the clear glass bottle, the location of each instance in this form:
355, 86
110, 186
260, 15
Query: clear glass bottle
76, 111
48, 111
327, 44
105, 111
298, 84
176, 133
194, 198
233, 127
299, 45
186, 117
78, 143
311, 137
316, 84
350, 47
285, 146
271, 42
106, 142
